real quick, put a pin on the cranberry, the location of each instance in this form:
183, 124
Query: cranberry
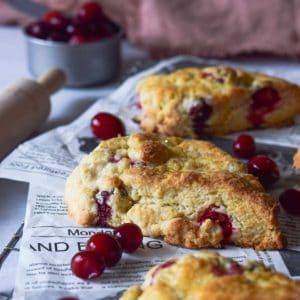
139, 104
90, 12
101, 29
105, 246
104, 209
200, 114
105, 126
233, 269
94, 39
264, 101
78, 27
58, 36
290, 201
164, 265
56, 20
38, 30
265, 97
244, 146
207, 75
218, 270
264, 168
87, 265
129, 236
78, 39
219, 218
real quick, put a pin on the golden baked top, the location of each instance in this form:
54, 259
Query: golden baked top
114, 156
210, 276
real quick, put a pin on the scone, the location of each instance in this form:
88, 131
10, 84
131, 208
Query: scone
215, 100
203, 276
297, 159
189, 192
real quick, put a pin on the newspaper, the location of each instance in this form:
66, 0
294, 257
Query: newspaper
50, 238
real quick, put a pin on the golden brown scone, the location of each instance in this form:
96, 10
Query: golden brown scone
204, 275
215, 100
297, 159
189, 192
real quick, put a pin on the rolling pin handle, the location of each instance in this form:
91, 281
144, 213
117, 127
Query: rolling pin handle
52, 80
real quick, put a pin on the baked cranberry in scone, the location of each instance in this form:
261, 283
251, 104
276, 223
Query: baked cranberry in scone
215, 100
188, 192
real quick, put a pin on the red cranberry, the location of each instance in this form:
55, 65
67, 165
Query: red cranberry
87, 265
105, 246
105, 126
207, 75
200, 114
56, 20
38, 30
129, 236
90, 12
78, 39
290, 201
104, 209
58, 36
264, 168
101, 29
233, 269
94, 39
139, 104
244, 146
164, 265
219, 218
265, 97
264, 101
218, 270
78, 27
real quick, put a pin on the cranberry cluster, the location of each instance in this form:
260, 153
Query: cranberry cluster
89, 25
266, 170
260, 165
105, 250
106, 126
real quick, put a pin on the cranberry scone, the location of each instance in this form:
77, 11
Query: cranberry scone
216, 100
189, 192
211, 276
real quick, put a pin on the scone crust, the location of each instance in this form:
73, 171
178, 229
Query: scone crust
200, 276
167, 99
297, 160
165, 184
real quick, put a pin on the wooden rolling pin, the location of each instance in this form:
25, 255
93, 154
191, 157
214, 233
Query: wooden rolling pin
24, 106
